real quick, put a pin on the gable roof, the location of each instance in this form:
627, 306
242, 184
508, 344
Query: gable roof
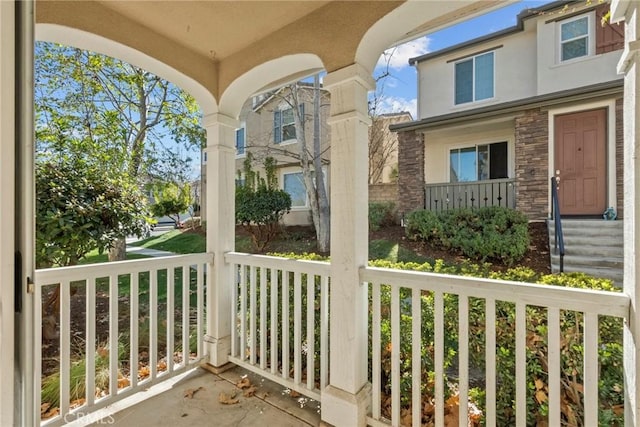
525, 14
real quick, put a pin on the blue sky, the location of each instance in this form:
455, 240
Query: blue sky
400, 89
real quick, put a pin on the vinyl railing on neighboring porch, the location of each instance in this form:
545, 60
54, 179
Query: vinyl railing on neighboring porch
149, 313
473, 194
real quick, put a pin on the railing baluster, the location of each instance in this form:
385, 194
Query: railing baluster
274, 320
490, 359
170, 332
395, 355
375, 349
243, 311
521, 365
263, 318
153, 324
65, 345
324, 332
253, 314
553, 331
285, 324
133, 327
463, 358
113, 335
186, 322
591, 374
438, 349
416, 357
200, 310
311, 314
90, 345
297, 327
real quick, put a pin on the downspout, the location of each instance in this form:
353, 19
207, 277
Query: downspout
26, 413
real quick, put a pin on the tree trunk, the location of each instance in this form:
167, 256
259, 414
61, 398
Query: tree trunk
323, 226
119, 250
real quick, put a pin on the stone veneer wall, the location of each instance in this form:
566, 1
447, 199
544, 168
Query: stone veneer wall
383, 193
619, 159
410, 171
531, 163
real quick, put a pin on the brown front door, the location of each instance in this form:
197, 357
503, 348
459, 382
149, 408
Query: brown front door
581, 162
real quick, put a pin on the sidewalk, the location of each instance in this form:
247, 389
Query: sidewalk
148, 252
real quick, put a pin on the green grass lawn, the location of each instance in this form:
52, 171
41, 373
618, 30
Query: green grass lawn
182, 242
176, 241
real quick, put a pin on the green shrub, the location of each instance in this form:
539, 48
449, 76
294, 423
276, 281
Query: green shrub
381, 214
488, 233
260, 205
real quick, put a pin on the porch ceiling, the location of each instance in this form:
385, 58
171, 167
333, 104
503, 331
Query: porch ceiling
215, 42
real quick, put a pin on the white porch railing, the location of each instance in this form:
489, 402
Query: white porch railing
400, 299
280, 320
149, 313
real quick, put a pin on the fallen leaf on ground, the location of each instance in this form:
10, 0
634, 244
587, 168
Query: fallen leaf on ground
294, 394
44, 407
51, 413
77, 403
123, 382
188, 393
225, 399
249, 391
143, 372
243, 383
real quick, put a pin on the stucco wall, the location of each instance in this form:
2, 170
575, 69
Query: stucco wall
439, 142
514, 67
554, 75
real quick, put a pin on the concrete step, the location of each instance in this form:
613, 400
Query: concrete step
613, 274
592, 251
582, 240
588, 261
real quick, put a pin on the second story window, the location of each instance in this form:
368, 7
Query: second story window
284, 128
474, 78
574, 38
240, 142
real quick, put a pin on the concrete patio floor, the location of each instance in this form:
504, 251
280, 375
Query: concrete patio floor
271, 405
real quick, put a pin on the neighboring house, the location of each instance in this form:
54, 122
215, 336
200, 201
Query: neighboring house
499, 115
383, 147
267, 129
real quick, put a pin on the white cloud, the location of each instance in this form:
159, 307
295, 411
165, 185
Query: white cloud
398, 56
395, 104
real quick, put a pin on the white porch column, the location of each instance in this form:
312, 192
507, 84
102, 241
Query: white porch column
220, 211
8, 399
630, 66
345, 401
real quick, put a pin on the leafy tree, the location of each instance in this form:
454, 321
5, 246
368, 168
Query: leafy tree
119, 116
170, 199
78, 210
260, 204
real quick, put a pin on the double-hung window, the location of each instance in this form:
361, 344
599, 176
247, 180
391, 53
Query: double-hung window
474, 78
478, 163
240, 141
284, 128
294, 185
574, 38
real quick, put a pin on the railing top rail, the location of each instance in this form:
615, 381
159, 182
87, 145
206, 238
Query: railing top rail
463, 183
320, 268
49, 276
582, 300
